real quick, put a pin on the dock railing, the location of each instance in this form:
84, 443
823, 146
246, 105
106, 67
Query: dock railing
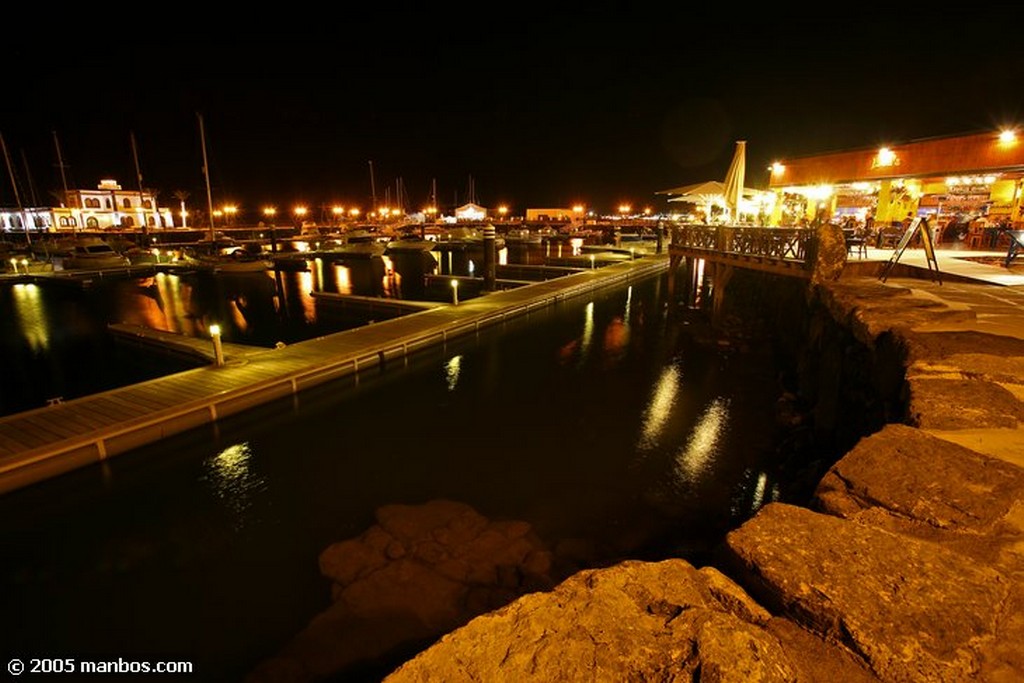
785, 246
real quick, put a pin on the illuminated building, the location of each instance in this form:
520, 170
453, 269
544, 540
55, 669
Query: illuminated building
940, 178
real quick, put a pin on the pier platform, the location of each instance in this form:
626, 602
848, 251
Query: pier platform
55, 439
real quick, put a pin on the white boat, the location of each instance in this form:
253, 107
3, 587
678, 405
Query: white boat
409, 242
224, 257
358, 243
92, 253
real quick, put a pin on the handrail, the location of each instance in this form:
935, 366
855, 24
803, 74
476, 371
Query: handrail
782, 244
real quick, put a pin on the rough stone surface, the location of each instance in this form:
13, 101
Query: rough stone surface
830, 257
420, 572
909, 482
636, 621
942, 611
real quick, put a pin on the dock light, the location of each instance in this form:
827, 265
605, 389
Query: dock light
14, 265
631, 255
455, 292
591, 261
218, 350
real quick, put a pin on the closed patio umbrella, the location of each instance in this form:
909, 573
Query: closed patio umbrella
734, 180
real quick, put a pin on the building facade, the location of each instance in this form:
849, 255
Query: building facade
107, 207
947, 180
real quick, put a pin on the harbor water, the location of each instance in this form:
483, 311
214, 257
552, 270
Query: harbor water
603, 420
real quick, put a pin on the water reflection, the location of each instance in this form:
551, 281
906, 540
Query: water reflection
697, 456
452, 368
659, 409
232, 479
31, 313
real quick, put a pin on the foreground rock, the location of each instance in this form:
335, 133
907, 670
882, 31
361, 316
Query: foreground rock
636, 621
422, 571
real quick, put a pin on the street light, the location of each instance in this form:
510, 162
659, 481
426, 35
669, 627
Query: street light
229, 213
270, 212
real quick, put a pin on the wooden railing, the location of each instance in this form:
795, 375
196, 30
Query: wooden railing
787, 247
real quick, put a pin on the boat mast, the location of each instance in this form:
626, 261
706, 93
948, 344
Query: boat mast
206, 175
63, 178
138, 175
14, 186
373, 190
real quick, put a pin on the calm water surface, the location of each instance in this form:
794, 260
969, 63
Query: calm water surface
599, 419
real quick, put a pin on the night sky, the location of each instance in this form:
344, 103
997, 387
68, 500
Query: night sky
541, 107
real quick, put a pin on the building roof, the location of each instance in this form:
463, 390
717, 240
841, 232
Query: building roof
981, 152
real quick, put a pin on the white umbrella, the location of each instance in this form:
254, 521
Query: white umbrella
705, 195
734, 179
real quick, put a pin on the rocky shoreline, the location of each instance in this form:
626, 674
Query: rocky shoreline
907, 564
903, 562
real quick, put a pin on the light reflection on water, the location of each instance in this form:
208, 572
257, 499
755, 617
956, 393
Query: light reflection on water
659, 409
452, 369
31, 311
698, 455
231, 478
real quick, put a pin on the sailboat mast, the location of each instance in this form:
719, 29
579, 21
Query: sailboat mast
14, 186
373, 190
63, 178
206, 175
138, 175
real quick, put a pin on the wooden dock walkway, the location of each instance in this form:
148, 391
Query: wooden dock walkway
55, 439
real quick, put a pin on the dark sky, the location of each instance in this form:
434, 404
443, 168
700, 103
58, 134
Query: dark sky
539, 106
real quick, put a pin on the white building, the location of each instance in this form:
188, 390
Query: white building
108, 206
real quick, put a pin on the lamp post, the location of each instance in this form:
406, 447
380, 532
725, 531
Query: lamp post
270, 212
455, 292
229, 213
218, 350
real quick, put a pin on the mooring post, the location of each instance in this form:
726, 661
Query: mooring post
489, 258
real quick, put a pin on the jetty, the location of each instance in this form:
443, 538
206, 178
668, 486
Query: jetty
57, 438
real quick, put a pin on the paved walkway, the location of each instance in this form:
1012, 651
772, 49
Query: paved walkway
48, 441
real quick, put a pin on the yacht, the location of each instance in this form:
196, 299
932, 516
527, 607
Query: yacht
92, 253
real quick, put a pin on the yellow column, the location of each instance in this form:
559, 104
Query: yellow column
882, 213
776, 216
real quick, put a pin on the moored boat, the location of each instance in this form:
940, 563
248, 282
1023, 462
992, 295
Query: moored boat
92, 253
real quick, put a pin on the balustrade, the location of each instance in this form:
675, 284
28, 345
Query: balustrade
778, 244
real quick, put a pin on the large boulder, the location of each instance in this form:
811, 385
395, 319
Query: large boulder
420, 572
906, 481
912, 609
635, 621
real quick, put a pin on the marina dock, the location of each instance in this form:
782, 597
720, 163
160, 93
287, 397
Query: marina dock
55, 439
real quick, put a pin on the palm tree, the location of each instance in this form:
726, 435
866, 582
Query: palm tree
181, 196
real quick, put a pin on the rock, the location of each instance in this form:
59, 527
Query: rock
830, 254
906, 481
939, 404
635, 621
942, 611
422, 571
